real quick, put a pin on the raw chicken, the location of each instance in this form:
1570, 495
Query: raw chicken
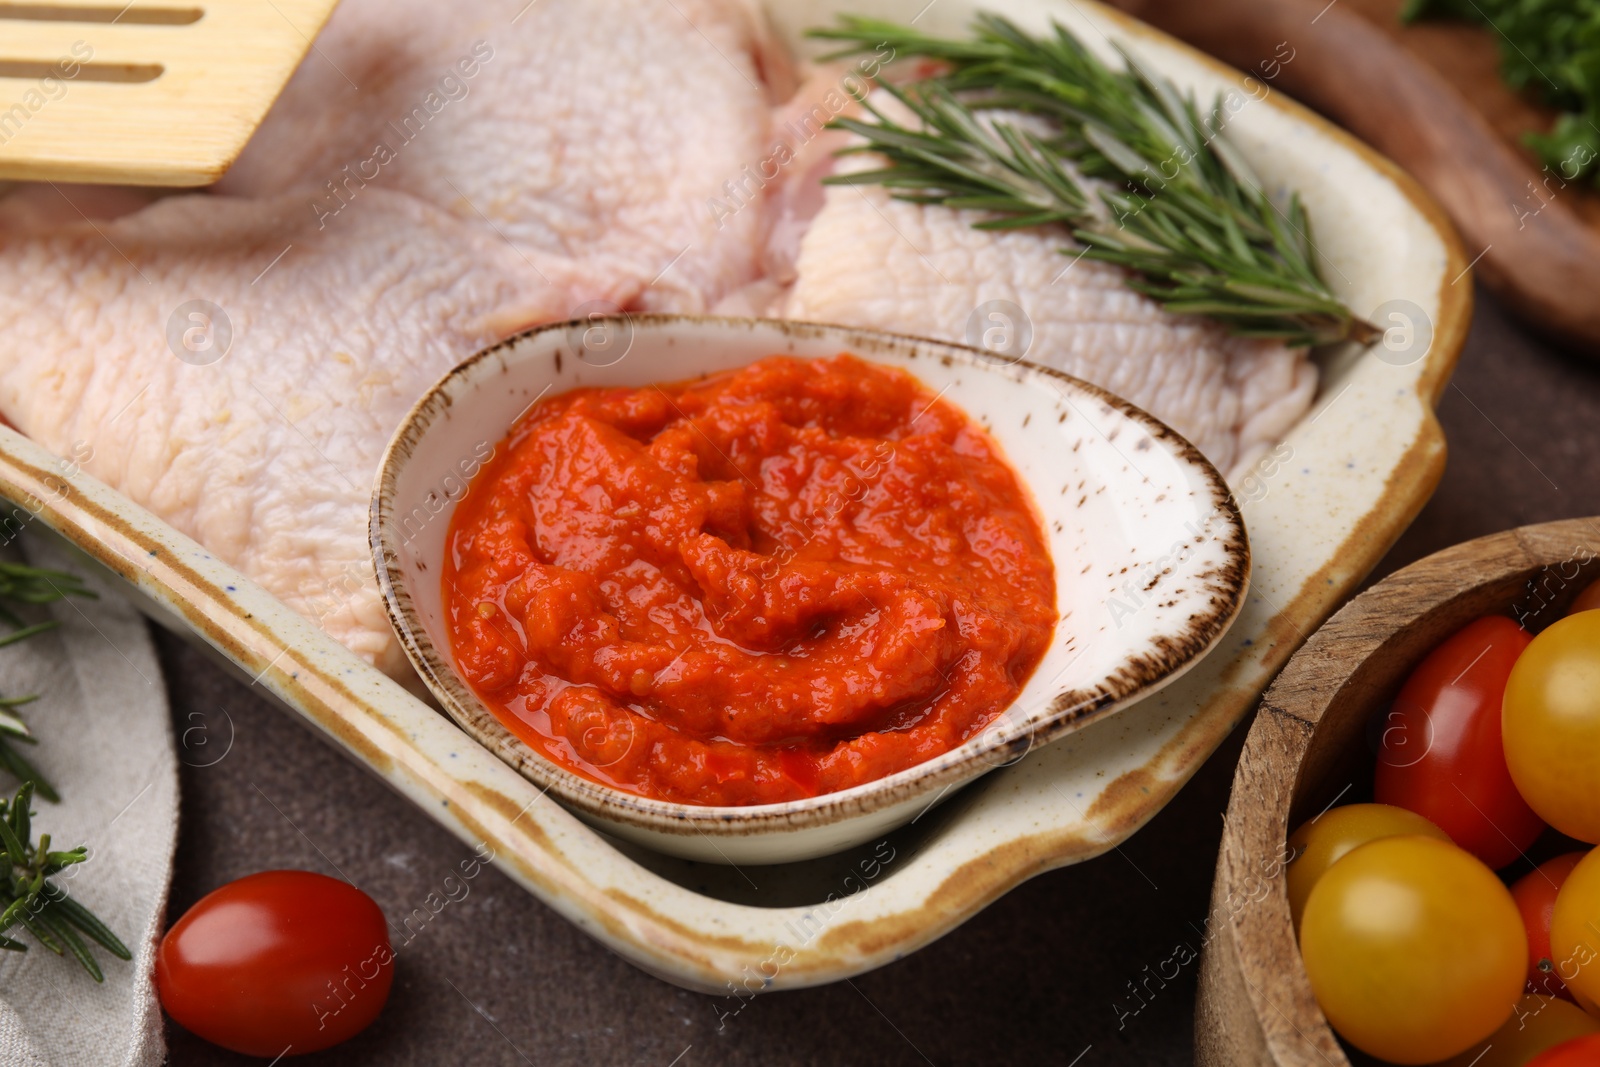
262, 447
594, 131
498, 166
36, 206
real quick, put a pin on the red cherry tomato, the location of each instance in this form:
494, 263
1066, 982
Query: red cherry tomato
1441, 755
277, 962
1579, 1052
1535, 894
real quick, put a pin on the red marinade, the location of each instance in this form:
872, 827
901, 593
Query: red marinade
768, 584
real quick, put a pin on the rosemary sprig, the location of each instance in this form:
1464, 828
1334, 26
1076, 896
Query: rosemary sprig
30, 900
13, 731
23, 584
1172, 200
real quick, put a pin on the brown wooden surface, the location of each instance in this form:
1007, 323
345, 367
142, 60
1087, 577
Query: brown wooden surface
1308, 749
1537, 253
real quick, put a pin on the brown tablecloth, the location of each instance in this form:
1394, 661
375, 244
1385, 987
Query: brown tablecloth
1040, 977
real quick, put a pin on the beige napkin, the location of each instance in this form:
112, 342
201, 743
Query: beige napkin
105, 742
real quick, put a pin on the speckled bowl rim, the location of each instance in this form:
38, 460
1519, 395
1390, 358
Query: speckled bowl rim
1068, 710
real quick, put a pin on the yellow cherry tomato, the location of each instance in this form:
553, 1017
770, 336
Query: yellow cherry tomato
1415, 950
1318, 844
1537, 1023
1550, 725
1575, 931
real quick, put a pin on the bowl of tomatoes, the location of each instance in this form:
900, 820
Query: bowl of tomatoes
1409, 871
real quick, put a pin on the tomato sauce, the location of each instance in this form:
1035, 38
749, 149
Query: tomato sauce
755, 587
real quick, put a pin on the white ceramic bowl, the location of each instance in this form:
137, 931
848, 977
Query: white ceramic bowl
1151, 558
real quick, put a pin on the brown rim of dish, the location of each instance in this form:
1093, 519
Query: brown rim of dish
1068, 710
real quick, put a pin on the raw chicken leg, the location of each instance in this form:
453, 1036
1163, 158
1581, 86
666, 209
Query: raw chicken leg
597, 131
262, 447
433, 177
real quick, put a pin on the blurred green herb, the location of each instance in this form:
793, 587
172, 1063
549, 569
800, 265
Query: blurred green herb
21, 584
1175, 202
40, 907
1549, 49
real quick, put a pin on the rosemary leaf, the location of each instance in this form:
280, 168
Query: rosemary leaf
56, 862
1137, 172
27, 584
19, 767
87, 921
14, 913
21, 822
29, 900
63, 932
16, 851
26, 632
21, 583
11, 725
41, 933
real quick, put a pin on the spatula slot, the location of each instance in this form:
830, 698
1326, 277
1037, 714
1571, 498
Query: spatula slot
142, 92
33, 69
125, 14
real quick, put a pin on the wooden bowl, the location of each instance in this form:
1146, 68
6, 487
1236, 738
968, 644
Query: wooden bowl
1308, 747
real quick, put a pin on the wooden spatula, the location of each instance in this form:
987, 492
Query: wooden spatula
148, 92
